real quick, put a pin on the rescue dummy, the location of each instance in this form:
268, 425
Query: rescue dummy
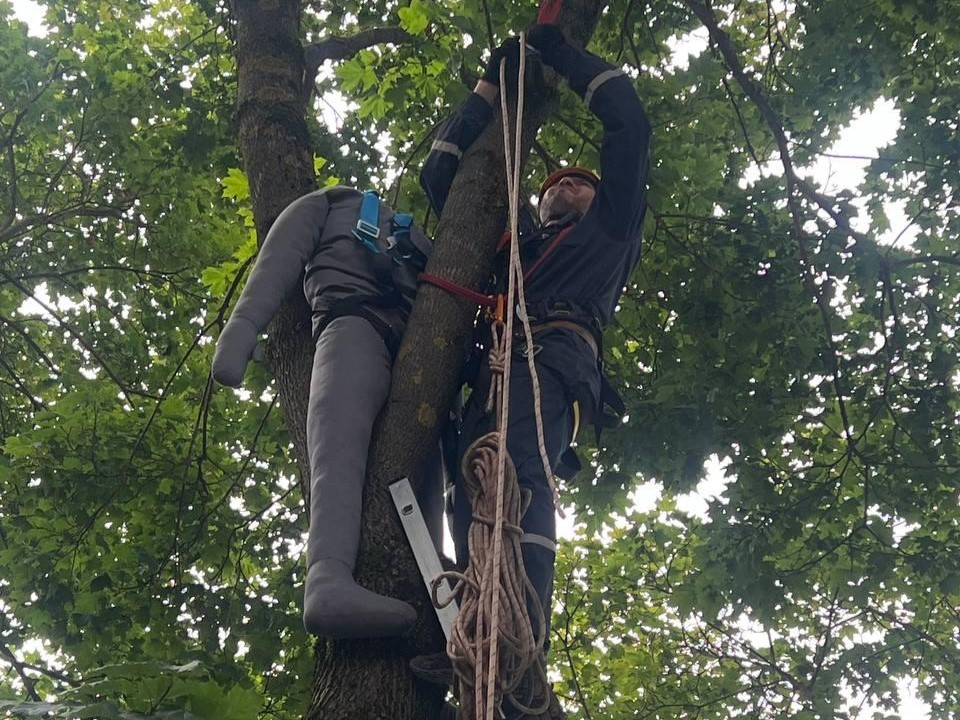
358, 261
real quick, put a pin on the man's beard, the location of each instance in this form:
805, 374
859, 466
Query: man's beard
558, 208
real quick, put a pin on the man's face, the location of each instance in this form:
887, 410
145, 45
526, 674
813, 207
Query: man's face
571, 194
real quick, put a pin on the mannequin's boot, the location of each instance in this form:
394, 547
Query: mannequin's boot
335, 606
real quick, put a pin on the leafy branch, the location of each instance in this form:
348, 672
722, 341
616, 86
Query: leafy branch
127, 391
794, 183
21, 668
341, 48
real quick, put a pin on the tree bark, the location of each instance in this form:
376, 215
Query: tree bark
370, 680
278, 160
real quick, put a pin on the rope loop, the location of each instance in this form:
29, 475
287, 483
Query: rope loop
516, 656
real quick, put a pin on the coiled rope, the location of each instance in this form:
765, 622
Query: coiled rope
495, 653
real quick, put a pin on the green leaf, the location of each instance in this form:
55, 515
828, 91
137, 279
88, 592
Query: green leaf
235, 185
414, 18
213, 703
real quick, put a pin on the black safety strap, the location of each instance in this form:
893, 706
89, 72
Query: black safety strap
360, 307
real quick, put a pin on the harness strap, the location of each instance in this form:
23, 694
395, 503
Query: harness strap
573, 327
490, 301
487, 301
367, 230
546, 253
360, 307
402, 222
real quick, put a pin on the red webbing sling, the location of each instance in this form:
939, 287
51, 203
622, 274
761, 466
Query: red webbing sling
549, 10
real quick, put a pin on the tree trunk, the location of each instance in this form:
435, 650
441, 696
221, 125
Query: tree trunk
369, 680
278, 160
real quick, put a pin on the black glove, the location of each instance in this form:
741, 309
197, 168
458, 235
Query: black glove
509, 51
548, 42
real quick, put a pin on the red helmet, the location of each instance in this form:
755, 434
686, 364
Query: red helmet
557, 175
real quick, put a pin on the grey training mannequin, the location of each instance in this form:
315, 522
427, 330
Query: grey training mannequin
313, 239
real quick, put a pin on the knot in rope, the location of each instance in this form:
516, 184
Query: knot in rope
497, 360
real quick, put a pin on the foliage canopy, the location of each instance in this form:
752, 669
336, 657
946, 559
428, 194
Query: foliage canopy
151, 528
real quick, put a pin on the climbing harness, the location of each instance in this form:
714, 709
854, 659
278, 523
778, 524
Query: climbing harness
579, 319
393, 254
397, 262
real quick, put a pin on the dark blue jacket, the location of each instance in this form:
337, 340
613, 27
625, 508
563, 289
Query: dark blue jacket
592, 264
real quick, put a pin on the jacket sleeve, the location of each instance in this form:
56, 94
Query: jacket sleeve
457, 133
289, 244
621, 200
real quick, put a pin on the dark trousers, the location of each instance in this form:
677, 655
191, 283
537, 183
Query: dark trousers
539, 523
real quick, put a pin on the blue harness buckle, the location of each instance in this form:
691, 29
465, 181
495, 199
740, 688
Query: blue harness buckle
367, 230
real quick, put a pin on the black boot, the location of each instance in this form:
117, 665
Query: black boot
435, 668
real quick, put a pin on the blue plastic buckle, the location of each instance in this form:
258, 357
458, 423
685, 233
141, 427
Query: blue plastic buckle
367, 230
367, 233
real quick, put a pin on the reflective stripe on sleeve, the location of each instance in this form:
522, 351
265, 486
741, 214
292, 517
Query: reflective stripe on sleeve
447, 147
540, 540
597, 82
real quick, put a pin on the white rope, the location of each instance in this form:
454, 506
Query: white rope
515, 299
490, 703
515, 271
475, 643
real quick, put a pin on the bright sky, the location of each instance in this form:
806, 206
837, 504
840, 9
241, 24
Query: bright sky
30, 13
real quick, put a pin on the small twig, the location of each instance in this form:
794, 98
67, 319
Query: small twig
489, 18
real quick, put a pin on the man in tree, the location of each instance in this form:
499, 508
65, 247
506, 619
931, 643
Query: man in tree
576, 264
359, 262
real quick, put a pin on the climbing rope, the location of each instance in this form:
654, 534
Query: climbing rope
516, 275
494, 651
517, 664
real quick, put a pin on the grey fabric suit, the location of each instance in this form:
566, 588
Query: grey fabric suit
313, 239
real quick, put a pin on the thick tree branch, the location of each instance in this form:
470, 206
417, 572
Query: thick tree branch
341, 48
81, 210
